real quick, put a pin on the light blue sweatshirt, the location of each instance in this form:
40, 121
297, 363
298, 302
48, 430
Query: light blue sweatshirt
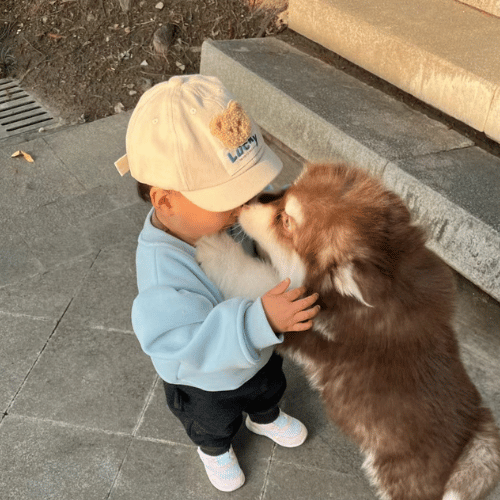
193, 336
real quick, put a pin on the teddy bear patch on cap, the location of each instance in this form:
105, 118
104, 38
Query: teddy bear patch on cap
232, 127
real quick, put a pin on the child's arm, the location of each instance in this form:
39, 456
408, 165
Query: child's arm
187, 330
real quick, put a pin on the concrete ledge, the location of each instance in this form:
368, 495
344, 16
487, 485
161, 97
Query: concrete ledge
321, 113
445, 53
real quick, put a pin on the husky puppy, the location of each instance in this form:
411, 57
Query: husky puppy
382, 351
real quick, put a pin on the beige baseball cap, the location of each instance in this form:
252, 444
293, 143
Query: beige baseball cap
190, 135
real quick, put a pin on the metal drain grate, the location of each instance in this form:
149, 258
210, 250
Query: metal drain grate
20, 112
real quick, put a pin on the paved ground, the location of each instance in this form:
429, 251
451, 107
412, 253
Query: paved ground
82, 412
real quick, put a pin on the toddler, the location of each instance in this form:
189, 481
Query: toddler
198, 157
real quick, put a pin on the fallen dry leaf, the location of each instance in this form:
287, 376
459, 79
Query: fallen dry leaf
26, 156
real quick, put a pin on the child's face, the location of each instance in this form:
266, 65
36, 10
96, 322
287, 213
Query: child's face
189, 222
202, 222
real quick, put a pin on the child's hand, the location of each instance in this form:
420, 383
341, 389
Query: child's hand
286, 312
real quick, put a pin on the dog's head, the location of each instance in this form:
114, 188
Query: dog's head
336, 229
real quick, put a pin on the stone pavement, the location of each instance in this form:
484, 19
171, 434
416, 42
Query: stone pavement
82, 411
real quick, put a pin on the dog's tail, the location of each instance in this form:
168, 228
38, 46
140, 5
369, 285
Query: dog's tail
478, 468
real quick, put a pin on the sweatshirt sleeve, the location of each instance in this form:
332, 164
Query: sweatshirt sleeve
182, 326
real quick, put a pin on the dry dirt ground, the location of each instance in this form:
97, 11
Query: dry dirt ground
87, 59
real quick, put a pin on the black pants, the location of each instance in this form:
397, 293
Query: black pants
212, 419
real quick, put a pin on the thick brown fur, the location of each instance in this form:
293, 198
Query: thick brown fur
383, 353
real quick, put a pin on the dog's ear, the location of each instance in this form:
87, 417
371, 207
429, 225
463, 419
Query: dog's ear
341, 278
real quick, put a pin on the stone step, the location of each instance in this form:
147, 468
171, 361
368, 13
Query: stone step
444, 52
451, 186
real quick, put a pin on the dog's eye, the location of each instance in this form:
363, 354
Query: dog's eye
287, 221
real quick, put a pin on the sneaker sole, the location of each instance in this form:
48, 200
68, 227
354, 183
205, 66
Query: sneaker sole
224, 489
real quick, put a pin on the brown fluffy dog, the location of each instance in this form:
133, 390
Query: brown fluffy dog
382, 351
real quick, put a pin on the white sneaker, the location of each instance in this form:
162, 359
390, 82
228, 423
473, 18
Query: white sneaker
285, 430
223, 470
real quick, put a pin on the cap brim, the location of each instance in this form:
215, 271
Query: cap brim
240, 189
122, 165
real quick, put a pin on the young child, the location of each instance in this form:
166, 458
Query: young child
198, 157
